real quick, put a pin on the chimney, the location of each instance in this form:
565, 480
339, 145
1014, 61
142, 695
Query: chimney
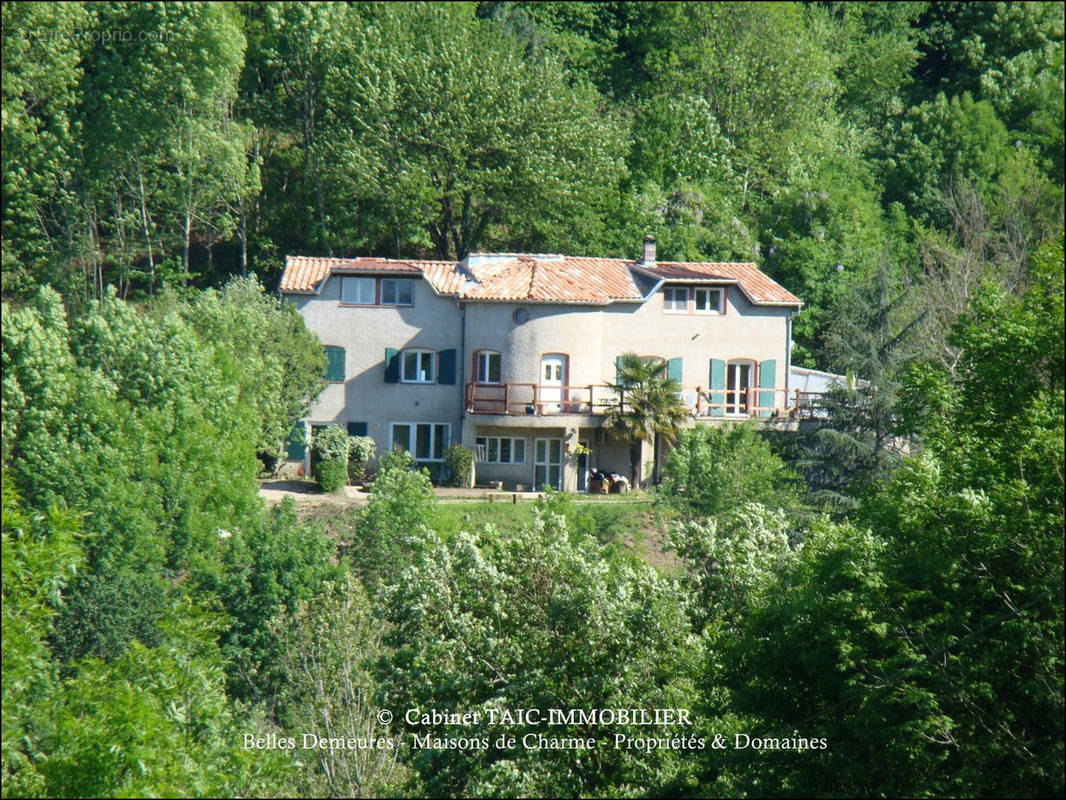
649, 251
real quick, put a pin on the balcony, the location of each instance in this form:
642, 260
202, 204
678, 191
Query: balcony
532, 398
538, 400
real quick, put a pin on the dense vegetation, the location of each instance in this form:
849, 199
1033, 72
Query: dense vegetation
890, 580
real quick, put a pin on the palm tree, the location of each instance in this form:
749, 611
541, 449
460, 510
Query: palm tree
647, 407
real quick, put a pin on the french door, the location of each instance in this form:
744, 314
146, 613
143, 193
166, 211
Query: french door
548, 463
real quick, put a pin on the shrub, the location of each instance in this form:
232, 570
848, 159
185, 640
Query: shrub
360, 450
331, 474
332, 443
459, 464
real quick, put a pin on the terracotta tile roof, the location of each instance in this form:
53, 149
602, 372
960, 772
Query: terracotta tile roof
540, 278
759, 288
303, 274
589, 281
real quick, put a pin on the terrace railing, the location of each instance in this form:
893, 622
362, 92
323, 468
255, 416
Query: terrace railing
535, 399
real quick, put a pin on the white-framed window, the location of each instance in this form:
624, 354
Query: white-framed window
426, 441
357, 291
488, 366
502, 449
709, 300
418, 366
397, 292
675, 299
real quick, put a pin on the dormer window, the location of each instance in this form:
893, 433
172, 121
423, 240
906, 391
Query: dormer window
397, 292
675, 299
709, 301
357, 291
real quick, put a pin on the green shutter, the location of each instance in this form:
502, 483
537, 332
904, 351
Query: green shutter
446, 367
357, 429
717, 386
334, 363
296, 443
767, 376
617, 368
392, 365
673, 370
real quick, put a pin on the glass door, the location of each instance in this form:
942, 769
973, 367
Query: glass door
552, 379
738, 379
548, 464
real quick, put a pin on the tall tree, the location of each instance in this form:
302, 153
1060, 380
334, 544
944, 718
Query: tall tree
647, 408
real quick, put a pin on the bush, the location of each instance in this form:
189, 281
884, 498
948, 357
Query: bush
360, 450
331, 474
332, 444
459, 464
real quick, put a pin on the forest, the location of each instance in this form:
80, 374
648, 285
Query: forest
883, 592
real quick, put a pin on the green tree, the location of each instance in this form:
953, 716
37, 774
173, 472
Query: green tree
457, 133
389, 533
41, 555
327, 650
712, 470
647, 407
268, 570
940, 622
42, 147
541, 618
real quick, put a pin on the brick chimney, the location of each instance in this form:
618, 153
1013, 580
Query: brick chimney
649, 252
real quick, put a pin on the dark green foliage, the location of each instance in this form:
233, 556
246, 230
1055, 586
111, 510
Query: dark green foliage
541, 618
712, 469
391, 530
459, 465
908, 644
268, 569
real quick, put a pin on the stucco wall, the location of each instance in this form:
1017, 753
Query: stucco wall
744, 331
364, 332
591, 338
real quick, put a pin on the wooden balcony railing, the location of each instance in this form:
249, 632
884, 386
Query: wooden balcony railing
534, 399
529, 398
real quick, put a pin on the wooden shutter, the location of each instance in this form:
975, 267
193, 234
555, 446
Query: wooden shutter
673, 370
296, 443
767, 377
716, 397
392, 365
334, 363
446, 363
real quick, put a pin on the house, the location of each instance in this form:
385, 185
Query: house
509, 353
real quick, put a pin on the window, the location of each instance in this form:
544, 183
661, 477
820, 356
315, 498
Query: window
395, 292
675, 299
710, 301
488, 366
502, 449
357, 291
418, 366
426, 441
334, 363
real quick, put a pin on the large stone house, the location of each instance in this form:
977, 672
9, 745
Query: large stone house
509, 353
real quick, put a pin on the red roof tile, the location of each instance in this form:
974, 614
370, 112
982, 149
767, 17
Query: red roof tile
540, 278
759, 288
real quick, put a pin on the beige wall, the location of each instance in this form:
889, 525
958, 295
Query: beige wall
591, 337
364, 332
745, 331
